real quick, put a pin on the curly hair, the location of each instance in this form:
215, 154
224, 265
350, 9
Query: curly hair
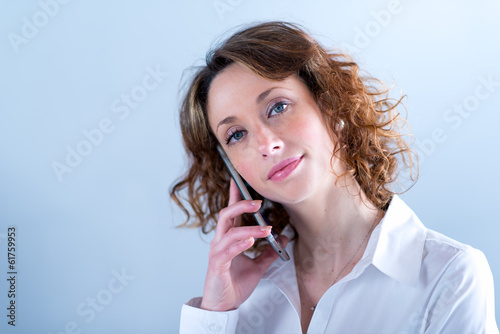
368, 140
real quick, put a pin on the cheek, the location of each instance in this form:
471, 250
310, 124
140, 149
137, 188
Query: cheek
310, 130
249, 173
246, 169
306, 131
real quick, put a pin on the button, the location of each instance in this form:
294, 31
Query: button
215, 328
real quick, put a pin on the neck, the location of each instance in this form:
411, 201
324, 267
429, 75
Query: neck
331, 227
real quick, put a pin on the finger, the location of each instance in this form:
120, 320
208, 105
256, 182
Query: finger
235, 243
237, 234
234, 193
221, 258
234, 197
227, 216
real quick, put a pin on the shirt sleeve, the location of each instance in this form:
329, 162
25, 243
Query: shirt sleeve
195, 320
464, 297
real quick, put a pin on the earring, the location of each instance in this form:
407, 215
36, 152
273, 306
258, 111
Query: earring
340, 125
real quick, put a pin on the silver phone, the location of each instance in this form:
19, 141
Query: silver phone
272, 237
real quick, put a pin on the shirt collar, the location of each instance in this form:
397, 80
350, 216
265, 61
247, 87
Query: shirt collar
397, 243
395, 248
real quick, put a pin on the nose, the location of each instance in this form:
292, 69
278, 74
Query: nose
268, 141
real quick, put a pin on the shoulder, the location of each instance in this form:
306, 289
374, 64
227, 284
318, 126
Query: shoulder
452, 255
460, 266
460, 285
410, 252
436, 252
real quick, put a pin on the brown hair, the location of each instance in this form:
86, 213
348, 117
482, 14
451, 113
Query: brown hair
368, 139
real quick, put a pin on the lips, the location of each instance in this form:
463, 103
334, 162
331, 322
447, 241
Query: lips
281, 171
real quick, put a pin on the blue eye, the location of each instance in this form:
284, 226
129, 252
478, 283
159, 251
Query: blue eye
278, 108
238, 135
235, 136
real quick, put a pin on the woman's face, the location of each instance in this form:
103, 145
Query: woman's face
272, 132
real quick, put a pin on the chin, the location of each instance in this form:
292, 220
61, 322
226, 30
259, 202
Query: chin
289, 194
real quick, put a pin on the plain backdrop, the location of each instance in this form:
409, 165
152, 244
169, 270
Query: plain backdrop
90, 142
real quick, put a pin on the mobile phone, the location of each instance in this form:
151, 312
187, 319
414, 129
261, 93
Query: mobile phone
272, 237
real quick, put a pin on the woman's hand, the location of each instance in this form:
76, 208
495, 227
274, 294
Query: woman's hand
232, 276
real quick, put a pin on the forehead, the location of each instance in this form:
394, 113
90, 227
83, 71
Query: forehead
236, 83
236, 75
238, 86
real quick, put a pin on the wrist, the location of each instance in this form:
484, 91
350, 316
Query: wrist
217, 307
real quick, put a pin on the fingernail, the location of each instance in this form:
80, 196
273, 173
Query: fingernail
255, 202
266, 228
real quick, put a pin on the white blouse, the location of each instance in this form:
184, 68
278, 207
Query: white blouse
409, 280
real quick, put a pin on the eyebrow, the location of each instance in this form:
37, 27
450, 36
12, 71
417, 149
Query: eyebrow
259, 99
226, 120
264, 94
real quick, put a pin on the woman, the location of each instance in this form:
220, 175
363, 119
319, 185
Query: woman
319, 147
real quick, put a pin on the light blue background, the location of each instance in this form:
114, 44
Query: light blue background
113, 213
